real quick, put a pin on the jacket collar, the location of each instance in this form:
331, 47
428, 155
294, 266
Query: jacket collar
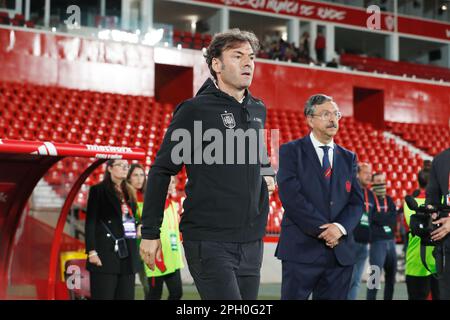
210, 87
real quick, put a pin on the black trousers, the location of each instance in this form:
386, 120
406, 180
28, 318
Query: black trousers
443, 268
173, 283
420, 287
105, 286
320, 55
225, 270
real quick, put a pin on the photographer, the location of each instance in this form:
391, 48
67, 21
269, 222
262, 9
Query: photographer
438, 194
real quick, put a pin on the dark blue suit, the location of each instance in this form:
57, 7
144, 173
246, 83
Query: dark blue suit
309, 266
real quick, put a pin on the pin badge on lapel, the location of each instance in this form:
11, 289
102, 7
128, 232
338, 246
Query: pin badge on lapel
348, 186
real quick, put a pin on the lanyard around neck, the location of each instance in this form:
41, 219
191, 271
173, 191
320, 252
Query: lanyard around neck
366, 200
378, 204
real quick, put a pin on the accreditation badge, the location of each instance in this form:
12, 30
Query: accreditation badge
173, 241
129, 226
364, 220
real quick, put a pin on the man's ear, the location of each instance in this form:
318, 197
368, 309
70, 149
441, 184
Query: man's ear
309, 121
216, 65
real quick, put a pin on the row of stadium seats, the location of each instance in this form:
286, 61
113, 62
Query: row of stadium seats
371, 64
188, 40
74, 116
430, 138
54, 114
17, 20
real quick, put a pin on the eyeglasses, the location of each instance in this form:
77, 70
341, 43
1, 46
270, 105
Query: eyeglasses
326, 116
123, 166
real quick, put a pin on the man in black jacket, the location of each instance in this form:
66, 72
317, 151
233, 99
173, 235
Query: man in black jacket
382, 253
438, 193
362, 233
226, 208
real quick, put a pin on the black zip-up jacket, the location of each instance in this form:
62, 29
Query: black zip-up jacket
224, 202
380, 220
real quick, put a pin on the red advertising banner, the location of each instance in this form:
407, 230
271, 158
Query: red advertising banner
425, 28
342, 15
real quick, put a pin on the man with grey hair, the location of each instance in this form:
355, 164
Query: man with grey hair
323, 204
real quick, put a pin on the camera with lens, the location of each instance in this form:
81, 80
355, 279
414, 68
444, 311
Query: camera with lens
421, 223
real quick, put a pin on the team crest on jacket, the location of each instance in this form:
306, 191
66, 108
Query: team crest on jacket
228, 120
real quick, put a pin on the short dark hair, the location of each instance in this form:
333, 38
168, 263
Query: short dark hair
422, 178
314, 100
226, 40
427, 164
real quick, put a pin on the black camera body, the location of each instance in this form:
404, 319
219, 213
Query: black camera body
421, 223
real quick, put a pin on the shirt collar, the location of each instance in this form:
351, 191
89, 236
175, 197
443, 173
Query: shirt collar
317, 144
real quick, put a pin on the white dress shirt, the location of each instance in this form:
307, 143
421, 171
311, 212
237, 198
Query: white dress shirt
317, 146
319, 151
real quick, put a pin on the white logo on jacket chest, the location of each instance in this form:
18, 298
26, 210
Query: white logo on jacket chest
228, 120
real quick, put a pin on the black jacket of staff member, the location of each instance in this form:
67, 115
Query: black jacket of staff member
224, 202
114, 279
216, 136
438, 193
362, 232
438, 185
383, 215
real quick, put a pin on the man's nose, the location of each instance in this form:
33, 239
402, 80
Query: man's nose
246, 61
